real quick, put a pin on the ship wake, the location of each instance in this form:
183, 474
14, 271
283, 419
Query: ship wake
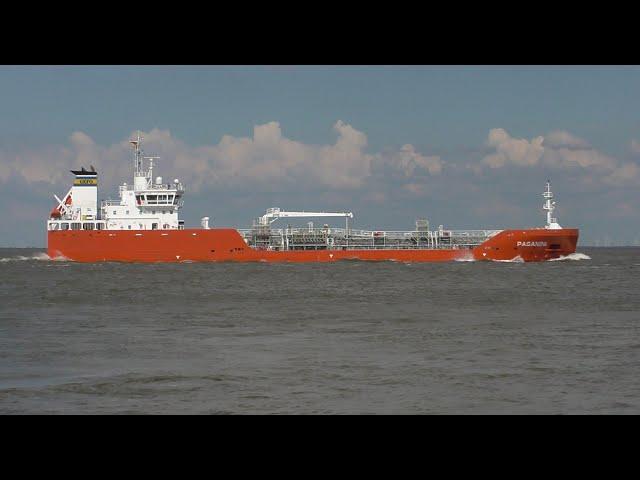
571, 256
39, 257
516, 259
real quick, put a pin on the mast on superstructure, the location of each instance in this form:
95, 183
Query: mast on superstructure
137, 155
142, 179
550, 206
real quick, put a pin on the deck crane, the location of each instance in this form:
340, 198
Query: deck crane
273, 214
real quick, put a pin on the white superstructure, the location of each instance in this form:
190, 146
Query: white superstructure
78, 209
147, 204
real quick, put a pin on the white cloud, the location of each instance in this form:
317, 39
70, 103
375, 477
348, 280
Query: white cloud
408, 160
51, 164
265, 158
559, 149
270, 157
509, 150
585, 158
561, 138
562, 149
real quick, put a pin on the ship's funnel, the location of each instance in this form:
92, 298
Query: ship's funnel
84, 193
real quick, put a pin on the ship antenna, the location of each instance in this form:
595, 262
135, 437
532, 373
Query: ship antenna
550, 206
137, 160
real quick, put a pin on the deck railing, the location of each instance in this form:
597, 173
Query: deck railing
341, 238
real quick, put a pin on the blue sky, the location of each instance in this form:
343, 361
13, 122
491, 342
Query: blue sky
463, 146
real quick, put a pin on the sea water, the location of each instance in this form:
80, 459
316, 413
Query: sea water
345, 337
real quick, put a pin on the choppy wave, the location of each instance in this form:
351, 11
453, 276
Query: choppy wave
571, 256
21, 258
516, 259
39, 257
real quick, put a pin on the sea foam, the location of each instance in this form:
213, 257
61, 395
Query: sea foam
571, 256
40, 257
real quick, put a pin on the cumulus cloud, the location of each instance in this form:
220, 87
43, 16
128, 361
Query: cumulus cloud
51, 164
409, 161
559, 149
562, 149
583, 157
509, 150
265, 158
561, 138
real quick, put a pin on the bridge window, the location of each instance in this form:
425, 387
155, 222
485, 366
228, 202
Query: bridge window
87, 226
64, 226
76, 226
99, 226
154, 226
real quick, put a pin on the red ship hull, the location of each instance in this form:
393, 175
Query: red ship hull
225, 244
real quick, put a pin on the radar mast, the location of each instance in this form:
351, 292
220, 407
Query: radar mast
550, 206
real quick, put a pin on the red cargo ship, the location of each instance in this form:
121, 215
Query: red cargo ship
143, 226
